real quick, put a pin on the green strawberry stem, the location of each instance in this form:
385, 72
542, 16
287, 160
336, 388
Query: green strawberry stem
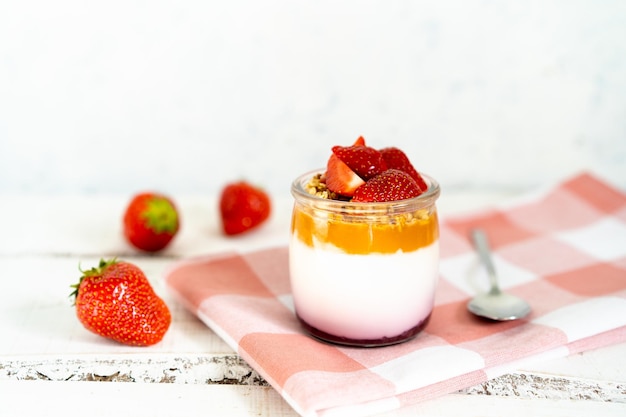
161, 216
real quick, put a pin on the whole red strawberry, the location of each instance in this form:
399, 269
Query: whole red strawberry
115, 300
243, 207
151, 221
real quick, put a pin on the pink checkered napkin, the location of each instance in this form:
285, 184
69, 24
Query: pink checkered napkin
564, 251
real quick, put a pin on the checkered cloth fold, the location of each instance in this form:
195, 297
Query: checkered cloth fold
563, 250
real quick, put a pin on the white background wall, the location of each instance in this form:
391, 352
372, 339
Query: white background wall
182, 96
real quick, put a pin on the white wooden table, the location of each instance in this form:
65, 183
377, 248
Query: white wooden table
50, 364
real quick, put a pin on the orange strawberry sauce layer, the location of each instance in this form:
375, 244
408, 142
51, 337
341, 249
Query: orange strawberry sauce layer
401, 232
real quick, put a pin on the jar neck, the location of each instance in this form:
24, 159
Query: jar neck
425, 201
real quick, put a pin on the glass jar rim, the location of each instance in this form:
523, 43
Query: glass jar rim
424, 200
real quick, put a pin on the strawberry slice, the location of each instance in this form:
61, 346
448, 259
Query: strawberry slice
391, 185
366, 162
340, 178
396, 159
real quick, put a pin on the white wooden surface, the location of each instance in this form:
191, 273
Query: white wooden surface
49, 363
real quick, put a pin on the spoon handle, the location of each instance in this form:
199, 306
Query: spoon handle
482, 246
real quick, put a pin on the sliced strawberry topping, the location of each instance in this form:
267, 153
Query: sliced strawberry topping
366, 162
340, 178
396, 159
360, 141
391, 185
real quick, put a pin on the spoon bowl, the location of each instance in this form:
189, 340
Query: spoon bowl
500, 307
495, 304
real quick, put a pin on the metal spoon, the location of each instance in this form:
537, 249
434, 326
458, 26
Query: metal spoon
494, 305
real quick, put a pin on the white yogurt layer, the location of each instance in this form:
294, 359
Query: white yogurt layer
371, 296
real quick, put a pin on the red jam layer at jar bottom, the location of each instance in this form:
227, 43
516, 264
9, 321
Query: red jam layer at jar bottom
383, 341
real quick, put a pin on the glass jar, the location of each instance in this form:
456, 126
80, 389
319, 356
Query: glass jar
363, 274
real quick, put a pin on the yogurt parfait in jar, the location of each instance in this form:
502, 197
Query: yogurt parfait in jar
364, 247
